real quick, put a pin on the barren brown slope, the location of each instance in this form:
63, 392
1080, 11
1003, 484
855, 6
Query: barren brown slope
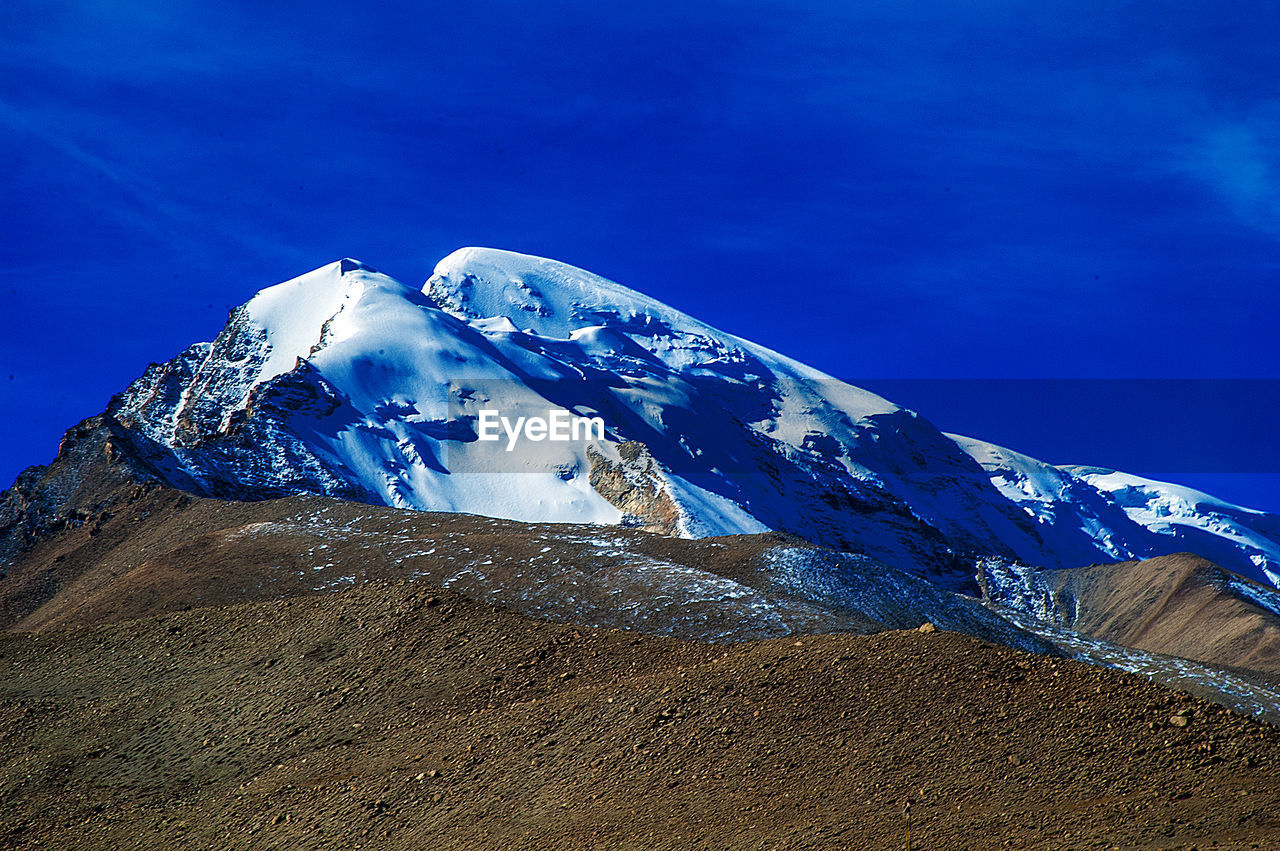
92, 538
394, 716
1181, 605
160, 550
79, 490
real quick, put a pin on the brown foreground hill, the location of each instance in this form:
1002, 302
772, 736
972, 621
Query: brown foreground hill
181, 672
394, 715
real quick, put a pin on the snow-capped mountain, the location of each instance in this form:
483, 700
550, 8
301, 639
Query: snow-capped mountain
347, 383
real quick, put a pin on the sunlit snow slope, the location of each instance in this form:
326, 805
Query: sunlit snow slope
348, 383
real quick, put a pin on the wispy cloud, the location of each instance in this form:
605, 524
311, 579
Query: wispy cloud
140, 191
1240, 163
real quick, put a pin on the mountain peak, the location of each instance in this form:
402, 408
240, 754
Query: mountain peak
546, 297
350, 264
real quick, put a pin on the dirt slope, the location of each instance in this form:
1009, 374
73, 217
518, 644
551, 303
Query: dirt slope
1181, 605
394, 716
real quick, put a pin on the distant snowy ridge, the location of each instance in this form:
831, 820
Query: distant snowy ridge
1130, 517
347, 383
1194, 521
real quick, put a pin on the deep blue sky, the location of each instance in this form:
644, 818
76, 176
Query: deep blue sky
881, 189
